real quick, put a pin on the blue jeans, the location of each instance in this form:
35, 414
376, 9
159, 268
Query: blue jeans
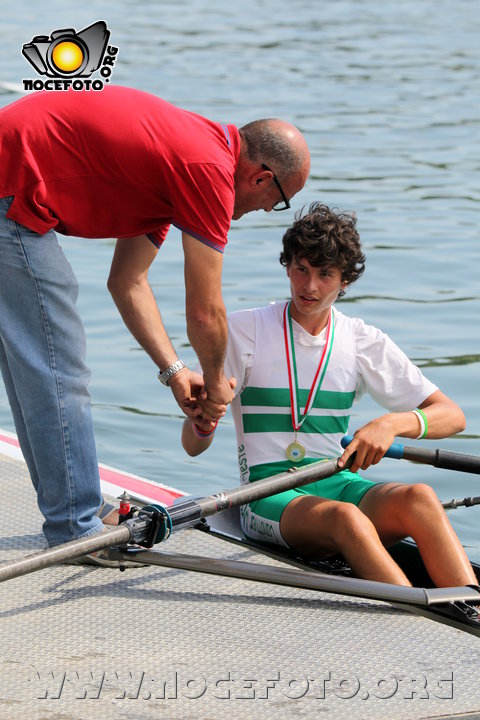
42, 359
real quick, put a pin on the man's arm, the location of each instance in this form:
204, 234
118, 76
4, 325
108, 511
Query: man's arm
206, 320
444, 418
133, 296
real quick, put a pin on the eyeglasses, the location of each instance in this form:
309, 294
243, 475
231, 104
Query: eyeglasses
282, 204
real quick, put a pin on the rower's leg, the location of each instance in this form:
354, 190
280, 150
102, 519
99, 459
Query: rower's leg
399, 511
316, 527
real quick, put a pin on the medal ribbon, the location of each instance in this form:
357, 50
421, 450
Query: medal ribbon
297, 419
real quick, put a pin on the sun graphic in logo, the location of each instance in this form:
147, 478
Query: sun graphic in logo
67, 56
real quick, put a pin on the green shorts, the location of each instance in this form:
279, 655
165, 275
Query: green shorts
261, 519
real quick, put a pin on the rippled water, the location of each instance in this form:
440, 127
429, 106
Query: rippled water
387, 96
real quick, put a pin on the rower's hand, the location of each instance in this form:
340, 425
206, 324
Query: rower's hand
213, 400
186, 387
370, 443
205, 425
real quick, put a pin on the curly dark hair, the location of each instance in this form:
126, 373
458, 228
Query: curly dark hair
326, 238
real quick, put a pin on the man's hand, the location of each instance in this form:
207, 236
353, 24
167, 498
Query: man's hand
213, 400
186, 387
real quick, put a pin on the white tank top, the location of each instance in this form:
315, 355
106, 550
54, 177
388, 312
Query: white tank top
262, 412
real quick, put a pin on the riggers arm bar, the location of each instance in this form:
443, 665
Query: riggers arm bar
306, 579
461, 502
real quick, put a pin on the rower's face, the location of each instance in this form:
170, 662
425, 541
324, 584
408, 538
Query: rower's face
313, 289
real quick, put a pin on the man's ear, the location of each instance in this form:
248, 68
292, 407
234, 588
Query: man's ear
262, 176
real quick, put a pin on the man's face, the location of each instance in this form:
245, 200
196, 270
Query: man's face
261, 192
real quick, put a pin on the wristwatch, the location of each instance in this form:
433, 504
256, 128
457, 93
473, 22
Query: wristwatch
170, 371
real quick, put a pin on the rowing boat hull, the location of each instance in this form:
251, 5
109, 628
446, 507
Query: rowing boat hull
226, 525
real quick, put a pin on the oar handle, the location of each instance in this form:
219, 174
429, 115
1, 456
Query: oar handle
444, 459
395, 450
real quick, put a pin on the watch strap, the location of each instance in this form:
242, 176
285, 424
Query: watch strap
166, 375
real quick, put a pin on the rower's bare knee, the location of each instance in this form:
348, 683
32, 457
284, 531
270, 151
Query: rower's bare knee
349, 525
417, 503
418, 497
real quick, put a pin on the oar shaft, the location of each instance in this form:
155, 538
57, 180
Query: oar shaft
116, 536
445, 459
198, 508
184, 512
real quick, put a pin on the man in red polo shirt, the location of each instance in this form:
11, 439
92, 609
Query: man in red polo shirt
126, 164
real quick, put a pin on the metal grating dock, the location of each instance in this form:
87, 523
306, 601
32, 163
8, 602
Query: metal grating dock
79, 643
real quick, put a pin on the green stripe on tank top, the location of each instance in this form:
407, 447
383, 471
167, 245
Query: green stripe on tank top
280, 397
269, 422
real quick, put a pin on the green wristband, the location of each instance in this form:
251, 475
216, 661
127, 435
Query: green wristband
425, 423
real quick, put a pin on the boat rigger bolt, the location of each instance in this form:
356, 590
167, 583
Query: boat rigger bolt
124, 508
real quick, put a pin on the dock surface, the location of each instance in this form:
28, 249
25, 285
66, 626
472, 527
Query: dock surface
79, 642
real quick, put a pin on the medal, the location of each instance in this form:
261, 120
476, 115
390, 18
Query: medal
295, 451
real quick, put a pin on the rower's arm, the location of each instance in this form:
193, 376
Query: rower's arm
192, 443
444, 418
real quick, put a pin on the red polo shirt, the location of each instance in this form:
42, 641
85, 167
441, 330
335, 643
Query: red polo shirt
116, 163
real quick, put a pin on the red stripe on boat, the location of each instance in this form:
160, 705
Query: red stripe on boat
137, 486
9, 440
124, 481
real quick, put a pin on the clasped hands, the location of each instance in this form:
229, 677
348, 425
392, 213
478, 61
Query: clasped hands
203, 403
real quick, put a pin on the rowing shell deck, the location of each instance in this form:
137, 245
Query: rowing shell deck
80, 643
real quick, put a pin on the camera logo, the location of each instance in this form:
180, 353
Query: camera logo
70, 58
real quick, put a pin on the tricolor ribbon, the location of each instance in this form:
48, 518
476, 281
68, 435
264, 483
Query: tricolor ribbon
297, 418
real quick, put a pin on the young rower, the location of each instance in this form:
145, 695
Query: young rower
297, 368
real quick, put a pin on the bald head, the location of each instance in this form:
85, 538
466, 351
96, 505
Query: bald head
273, 154
278, 144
